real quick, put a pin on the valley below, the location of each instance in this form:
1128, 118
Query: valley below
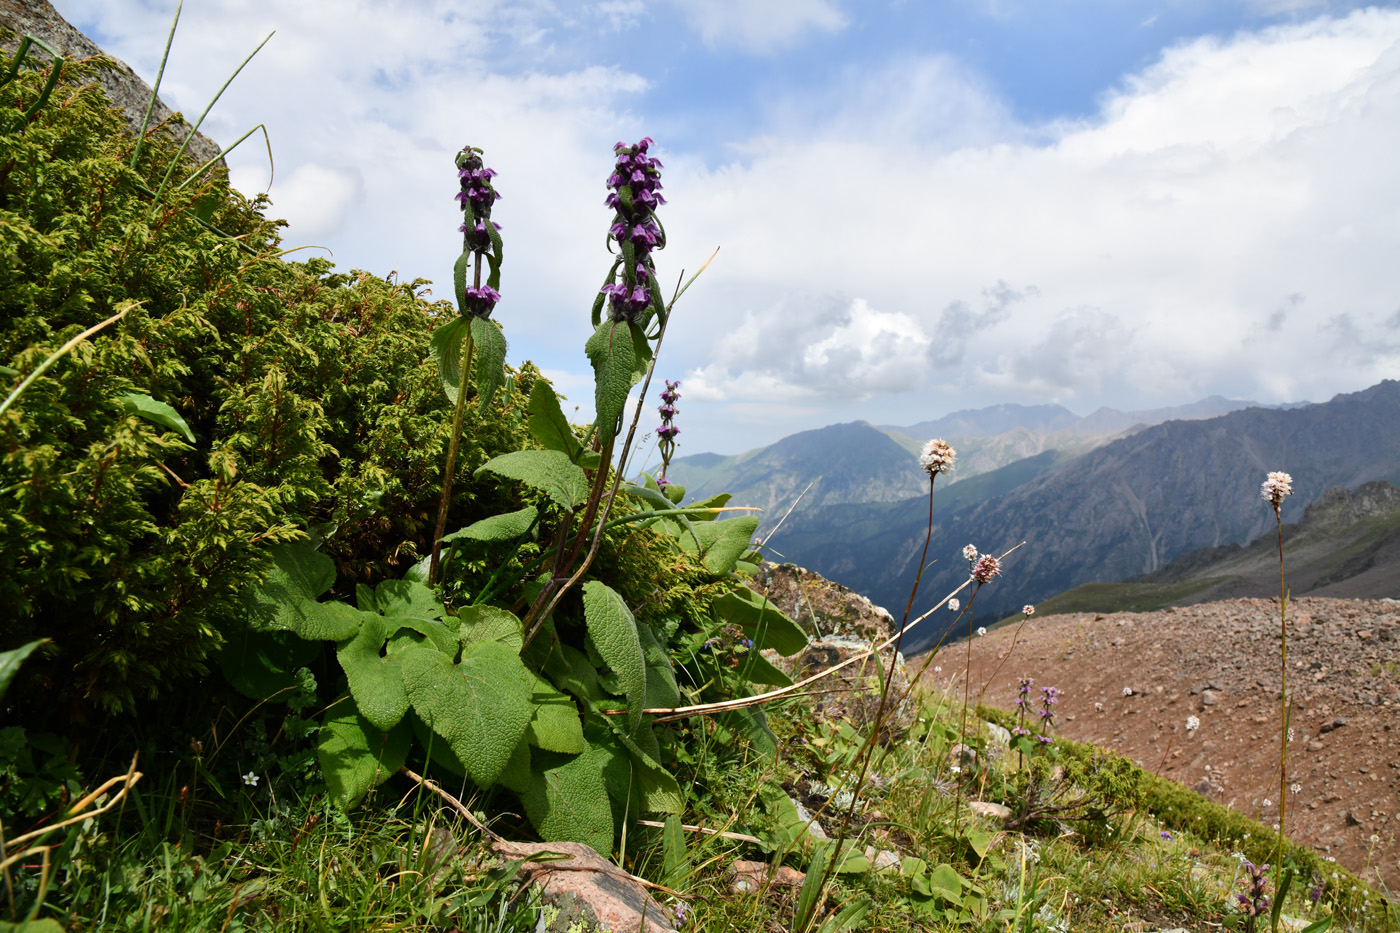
1130, 681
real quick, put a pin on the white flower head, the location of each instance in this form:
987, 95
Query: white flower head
1028, 610
1295, 788
986, 568
938, 668
1192, 724
937, 457
970, 553
251, 779
1267, 803
1127, 691
954, 605
981, 631
956, 769
1276, 488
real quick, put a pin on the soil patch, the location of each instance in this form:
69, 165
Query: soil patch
1219, 662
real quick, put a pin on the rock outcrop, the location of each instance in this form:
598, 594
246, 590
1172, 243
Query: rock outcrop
125, 89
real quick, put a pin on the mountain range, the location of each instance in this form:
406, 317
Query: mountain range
1106, 510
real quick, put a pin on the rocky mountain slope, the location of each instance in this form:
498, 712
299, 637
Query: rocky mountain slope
1125, 509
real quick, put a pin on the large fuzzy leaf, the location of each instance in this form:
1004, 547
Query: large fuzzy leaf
504, 527
547, 422
490, 359
568, 799
656, 787
357, 756
446, 348
490, 623
259, 664
616, 350
757, 670
286, 600
614, 633
555, 726
761, 621
404, 598
481, 706
549, 471
732, 538
376, 681
661, 690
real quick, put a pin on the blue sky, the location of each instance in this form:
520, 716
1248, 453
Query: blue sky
921, 207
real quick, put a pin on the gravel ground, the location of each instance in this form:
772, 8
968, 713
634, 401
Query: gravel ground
1219, 661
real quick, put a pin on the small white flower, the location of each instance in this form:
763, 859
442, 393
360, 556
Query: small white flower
1027, 610
938, 668
1295, 788
1192, 724
937, 457
1290, 733
251, 779
1127, 691
1375, 839
981, 631
955, 769
1268, 803
1276, 488
970, 553
954, 605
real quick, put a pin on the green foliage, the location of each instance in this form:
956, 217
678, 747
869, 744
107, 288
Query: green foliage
289, 398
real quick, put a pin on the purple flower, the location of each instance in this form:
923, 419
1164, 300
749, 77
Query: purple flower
633, 187
481, 301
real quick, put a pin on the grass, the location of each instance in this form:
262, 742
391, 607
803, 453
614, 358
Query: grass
1140, 849
1123, 597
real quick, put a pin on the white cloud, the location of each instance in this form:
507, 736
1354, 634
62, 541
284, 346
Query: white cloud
314, 199
1226, 177
760, 27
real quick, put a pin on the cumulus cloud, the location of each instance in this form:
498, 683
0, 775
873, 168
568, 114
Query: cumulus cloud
760, 27
814, 347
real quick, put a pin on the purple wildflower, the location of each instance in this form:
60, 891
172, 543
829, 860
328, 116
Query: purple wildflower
666, 434
634, 185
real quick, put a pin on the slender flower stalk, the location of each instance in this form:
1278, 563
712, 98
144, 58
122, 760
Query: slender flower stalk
1277, 487
666, 434
982, 568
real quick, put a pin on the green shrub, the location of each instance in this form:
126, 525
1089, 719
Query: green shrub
310, 396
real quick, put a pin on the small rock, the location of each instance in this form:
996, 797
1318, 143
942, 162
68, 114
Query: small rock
962, 756
1209, 698
1352, 820
987, 808
753, 876
883, 859
1000, 736
587, 888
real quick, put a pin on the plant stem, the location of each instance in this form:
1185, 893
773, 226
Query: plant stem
1283, 704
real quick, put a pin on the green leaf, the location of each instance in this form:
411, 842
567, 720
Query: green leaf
549, 471
301, 569
481, 706
979, 840
504, 527
761, 621
656, 787
756, 669
46, 925
405, 598
944, 882
446, 347
615, 354
571, 670
143, 406
285, 601
752, 721
675, 861
490, 359
517, 773
490, 623
356, 756
259, 664
853, 863
661, 689
459, 279
568, 799
732, 541
11, 660
547, 422
1319, 926
376, 681
555, 726
717, 501
614, 634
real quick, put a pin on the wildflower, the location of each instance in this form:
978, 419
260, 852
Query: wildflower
986, 568
1295, 788
938, 668
1255, 903
666, 434
954, 605
1028, 610
955, 769
1375, 839
634, 184
251, 779
1268, 803
1192, 724
1276, 488
480, 301
1127, 691
937, 457
1290, 733
1165, 835
981, 631
970, 553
